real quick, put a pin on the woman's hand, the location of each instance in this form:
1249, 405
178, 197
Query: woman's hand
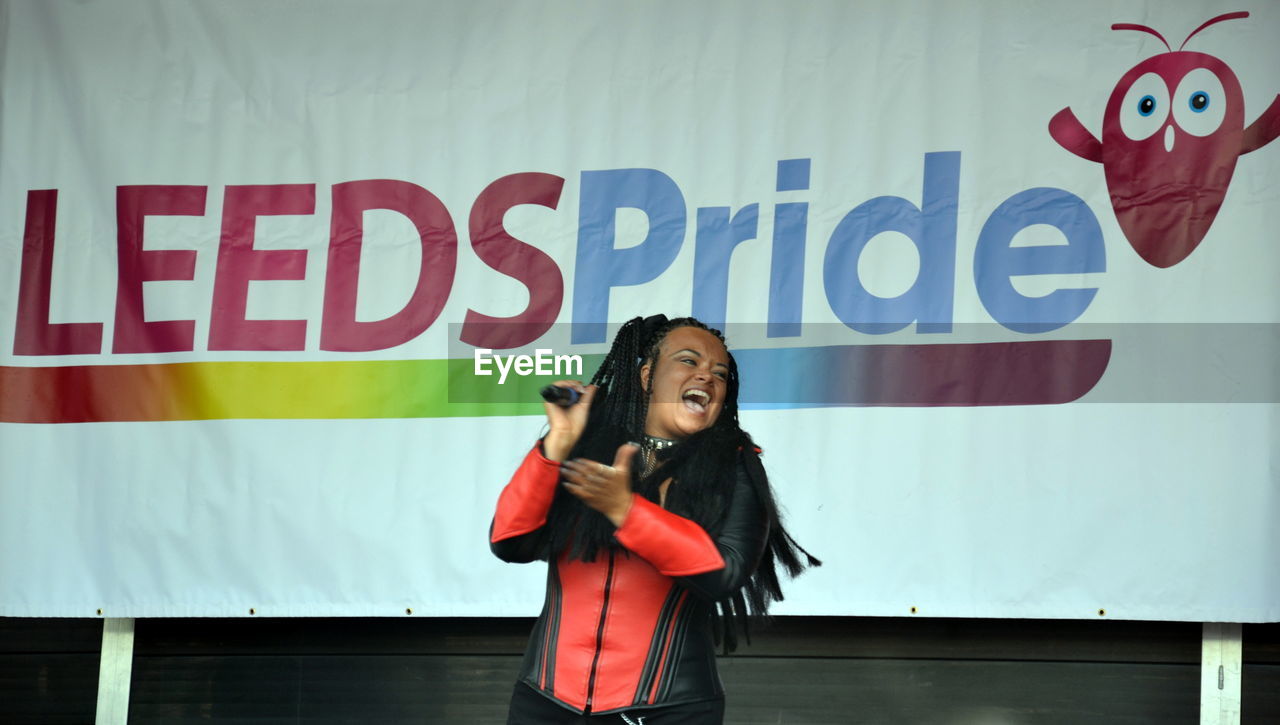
606, 489
566, 424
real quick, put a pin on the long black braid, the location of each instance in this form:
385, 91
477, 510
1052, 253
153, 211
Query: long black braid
710, 457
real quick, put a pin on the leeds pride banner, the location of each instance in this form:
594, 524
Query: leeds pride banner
280, 283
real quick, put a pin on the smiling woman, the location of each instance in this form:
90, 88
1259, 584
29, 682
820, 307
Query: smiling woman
655, 558
687, 392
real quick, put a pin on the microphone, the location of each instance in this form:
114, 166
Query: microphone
563, 397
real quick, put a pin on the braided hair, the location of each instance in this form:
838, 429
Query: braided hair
711, 457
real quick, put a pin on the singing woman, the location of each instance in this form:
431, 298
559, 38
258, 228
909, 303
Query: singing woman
651, 506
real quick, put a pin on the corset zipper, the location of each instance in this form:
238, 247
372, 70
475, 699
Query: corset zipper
604, 610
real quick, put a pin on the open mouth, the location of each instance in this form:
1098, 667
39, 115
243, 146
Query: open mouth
695, 400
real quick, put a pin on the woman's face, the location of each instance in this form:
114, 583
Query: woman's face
689, 380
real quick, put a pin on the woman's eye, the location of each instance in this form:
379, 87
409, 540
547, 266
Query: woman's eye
722, 375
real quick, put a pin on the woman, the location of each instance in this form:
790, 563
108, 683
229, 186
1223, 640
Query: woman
655, 558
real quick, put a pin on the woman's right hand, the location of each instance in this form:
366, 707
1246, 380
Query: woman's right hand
566, 424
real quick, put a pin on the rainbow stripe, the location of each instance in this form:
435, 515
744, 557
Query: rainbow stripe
1038, 372
221, 390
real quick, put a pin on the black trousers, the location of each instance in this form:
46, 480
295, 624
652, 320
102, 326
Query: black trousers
530, 708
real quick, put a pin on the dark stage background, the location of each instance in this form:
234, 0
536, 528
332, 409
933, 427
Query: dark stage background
821, 670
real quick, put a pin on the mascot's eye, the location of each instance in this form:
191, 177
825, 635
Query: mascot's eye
1144, 106
1200, 102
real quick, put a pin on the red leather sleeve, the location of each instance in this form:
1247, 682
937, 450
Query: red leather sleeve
523, 504
674, 545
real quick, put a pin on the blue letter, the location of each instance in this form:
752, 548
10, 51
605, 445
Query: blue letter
713, 248
786, 268
932, 229
600, 267
994, 261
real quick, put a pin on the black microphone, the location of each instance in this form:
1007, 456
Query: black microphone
563, 397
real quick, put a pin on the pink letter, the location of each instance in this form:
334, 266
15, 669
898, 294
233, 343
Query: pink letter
136, 265
523, 262
34, 334
339, 330
239, 263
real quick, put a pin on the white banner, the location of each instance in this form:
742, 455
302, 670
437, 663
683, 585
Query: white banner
999, 277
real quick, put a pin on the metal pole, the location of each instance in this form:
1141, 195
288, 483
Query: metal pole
1220, 668
115, 670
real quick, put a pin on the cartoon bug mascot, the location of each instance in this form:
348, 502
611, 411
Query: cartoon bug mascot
1171, 134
